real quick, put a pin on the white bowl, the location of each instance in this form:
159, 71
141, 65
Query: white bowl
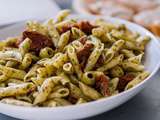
79, 7
92, 108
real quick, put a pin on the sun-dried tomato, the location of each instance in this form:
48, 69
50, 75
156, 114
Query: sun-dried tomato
72, 99
102, 84
83, 39
67, 27
38, 40
83, 62
100, 61
84, 52
124, 80
86, 27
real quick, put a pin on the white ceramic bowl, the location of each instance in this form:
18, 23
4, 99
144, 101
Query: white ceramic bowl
152, 64
79, 7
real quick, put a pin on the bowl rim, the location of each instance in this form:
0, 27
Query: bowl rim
96, 101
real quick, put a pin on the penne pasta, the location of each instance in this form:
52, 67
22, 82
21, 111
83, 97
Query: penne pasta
88, 78
16, 90
113, 85
69, 61
63, 40
12, 73
132, 67
16, 102
62, 15
117, 46
137, 80
36, 26
44, 91
68, 68
53, 33
100, 33
89, 92
50, 103
26, 62
62, 102
74, 60
59, 93
80, 101
31, 73
46, 52
25, 46
24, 98
16, 81
11, 55
94, 57
127, 53
59, 59
136, 59
11, 41
77, 45
115, 61
116, 71
76, 33
3, 77
75, 92
11, 64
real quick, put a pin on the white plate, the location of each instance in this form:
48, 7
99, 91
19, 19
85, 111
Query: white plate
152, 64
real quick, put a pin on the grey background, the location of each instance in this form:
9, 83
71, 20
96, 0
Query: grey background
144, 106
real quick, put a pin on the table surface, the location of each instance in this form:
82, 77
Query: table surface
144, 106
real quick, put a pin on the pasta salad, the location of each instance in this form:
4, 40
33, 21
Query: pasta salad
67, 62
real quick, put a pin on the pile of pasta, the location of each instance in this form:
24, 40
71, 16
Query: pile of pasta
68, 61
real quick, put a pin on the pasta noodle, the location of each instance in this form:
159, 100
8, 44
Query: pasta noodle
59, 93
137, 80
63, 41
115, 61
16, 102
68, 68
16, 90
74, 60
13, 73
11, 55
46, 52
25, 46
62, 15
45, 90
89, 92
94, 57
80, 101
